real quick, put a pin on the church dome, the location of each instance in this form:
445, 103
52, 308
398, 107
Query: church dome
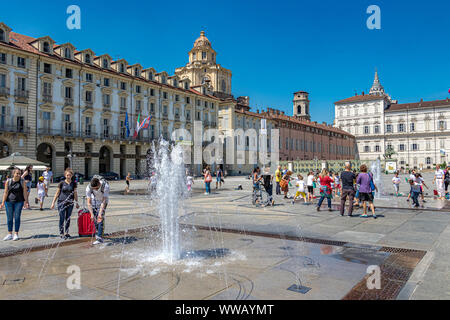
202, 41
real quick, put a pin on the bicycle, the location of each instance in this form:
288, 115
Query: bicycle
260, 197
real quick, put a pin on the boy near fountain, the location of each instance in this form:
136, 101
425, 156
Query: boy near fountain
300, 184
396, 183
415, 191
420, 182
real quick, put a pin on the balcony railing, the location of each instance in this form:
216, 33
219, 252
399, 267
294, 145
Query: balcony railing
68, 102
4, 92
14, 129
123, 110
165, 116
177, 117
46, 97
21, 94
89, 104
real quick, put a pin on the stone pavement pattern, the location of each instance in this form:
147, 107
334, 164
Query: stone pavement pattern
228, 208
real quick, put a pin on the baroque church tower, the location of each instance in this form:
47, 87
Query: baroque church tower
203, 72
301, 105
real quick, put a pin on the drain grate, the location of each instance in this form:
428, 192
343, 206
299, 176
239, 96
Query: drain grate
299, 289
9, 282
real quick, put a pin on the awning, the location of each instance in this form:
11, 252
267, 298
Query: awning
21, 162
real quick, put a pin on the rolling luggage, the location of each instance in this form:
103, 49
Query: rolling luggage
86, 226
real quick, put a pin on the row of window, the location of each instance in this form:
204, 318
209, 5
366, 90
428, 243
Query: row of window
302, 145
355, 112
403, 147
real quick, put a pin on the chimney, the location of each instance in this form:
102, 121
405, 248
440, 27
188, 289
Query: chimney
363, 93
421, 100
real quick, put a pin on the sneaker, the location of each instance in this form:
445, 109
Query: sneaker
41, 209
61, 236
318, 208
374, 216
67, 236
329, 209
98, 241
16, 237
407, 200
424, 200
8, 237
364, 216
293, 202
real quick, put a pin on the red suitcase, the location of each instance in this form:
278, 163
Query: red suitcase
86, 226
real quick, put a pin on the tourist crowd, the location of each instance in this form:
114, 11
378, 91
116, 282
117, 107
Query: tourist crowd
17, 193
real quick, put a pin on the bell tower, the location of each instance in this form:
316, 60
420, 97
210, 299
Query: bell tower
301, 105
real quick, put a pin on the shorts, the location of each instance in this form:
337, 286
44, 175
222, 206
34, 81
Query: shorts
310, 189
298, 194
363, 196
41, 196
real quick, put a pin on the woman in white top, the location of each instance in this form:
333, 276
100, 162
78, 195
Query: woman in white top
396, 183
439, 180
310, 184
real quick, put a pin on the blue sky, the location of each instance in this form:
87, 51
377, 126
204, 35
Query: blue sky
273, 48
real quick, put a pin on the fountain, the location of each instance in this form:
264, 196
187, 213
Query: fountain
375, 168
169, 192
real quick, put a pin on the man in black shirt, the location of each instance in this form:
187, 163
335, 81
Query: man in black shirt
347, 179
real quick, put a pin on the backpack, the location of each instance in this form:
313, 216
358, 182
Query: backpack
10, 181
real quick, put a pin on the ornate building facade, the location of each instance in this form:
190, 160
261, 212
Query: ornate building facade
67, 107
416, 132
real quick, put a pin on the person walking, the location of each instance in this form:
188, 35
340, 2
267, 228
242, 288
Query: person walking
421, 182
278, 177
97, 195
208, 180
66, 195
365, 182
447, 180
310, 185
127, 181
337, 184
47, 174
284, 183
325, 189
42, 192
268, 184
348, 179
300, 184
396, 183
439, 180
415, 191
219, 177
412, 176
28, 177
15, 198
189, 181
